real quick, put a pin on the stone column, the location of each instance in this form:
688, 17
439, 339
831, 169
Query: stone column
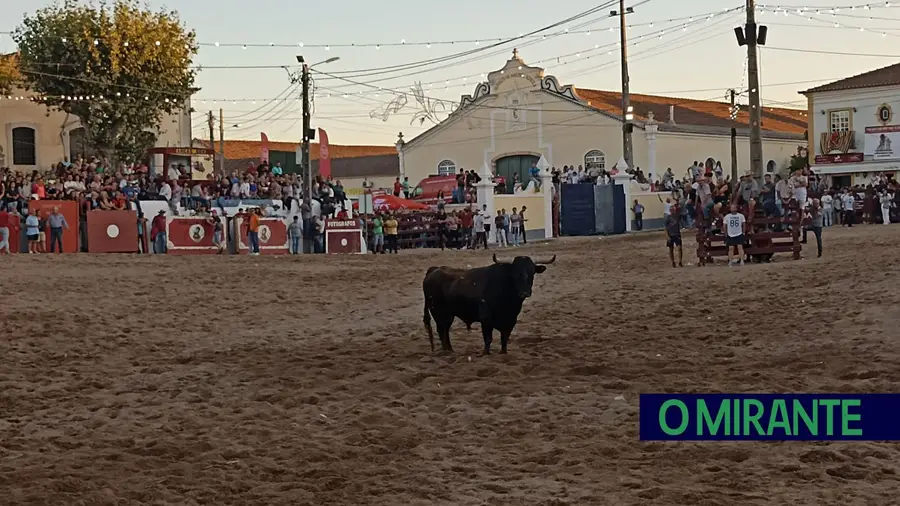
547, 189
624, 179
485, 197
400, 145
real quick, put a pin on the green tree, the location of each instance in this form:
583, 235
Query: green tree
9, 73
119, 67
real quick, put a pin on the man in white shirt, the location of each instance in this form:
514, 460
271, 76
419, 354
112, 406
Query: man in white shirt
734, 234
849, 208
827, 210
886, 207
165, 191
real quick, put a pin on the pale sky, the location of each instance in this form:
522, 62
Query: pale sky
690, 57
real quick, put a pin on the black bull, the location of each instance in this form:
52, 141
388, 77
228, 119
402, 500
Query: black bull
491, 295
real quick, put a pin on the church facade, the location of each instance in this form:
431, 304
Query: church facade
520, 114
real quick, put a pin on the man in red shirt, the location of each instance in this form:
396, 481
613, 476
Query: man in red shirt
158, 232
4, 231
466, 222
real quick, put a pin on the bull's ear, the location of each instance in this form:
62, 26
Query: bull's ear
539, 269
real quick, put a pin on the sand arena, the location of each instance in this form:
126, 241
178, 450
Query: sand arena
309, 381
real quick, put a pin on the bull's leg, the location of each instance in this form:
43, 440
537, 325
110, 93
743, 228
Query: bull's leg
487, 332
444, 334
504, 340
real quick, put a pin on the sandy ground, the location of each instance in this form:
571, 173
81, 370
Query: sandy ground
215, 380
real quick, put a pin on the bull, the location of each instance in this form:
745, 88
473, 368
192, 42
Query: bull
491, 295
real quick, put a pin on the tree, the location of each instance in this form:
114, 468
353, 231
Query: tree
118, 67
9, 73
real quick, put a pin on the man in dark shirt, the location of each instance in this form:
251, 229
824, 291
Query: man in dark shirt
673, 230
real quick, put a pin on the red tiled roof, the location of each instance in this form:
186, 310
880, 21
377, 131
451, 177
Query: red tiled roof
241, 149
885, 76
693, 112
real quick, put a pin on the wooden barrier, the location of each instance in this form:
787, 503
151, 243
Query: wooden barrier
273, 236
343, 237
761, 242
190, 236
69, 209
112, 232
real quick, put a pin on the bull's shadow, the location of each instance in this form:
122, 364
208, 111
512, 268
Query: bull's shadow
492, 296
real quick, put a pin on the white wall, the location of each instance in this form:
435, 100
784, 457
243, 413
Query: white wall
865, 101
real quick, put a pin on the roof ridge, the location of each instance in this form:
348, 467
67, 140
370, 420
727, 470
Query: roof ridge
683, 99
843, 84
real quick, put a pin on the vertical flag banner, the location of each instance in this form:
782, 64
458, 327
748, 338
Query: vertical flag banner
324, 155
263, 148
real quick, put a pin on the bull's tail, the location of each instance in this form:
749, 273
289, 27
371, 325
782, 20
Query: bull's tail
426, 318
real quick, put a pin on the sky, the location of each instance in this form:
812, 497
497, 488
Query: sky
675, 48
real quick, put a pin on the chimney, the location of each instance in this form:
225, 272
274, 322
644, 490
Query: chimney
671, 114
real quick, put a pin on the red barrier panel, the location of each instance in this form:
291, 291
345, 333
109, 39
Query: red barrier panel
67, 208
112, 232
190, 236
273, 236
343, 236
15, 233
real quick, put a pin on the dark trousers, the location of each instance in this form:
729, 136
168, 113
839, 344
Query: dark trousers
639, 221
254, 241
480, 238
56, 238
848, 218
818, 233
523, 234
391, 242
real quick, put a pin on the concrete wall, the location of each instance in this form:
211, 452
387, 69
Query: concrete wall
52, 131
679, 150
535, 226
653, 208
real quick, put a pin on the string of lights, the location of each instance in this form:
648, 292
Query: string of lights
129, 92
404, 42
810, 16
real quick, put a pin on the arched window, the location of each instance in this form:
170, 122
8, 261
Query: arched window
771, 166
24, 146
594, 160
447, 168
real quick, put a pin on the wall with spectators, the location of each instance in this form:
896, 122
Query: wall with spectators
534, 227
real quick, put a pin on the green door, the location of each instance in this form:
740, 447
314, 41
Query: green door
516, 164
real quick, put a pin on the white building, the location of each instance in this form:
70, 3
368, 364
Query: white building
853, 131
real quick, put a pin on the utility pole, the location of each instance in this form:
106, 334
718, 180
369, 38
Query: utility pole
221, 142
304, 81
753, 37
627, 110
734, 114
212, 138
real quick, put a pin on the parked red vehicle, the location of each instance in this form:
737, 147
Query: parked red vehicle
428, 189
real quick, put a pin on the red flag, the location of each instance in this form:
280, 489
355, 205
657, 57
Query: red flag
263, 148
324, 155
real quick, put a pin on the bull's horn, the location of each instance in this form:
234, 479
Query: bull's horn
498, 261
548, 262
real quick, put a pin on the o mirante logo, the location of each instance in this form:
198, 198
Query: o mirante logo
698, 417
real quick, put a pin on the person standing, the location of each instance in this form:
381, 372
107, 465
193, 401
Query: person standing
406, 187
32, 232
4, 230
500, 233
480, 232
849, 202
219, 233
253, 231
885, 200
378, 234
514, 225
390, 231
816, 217
57, 223
827, 210
522, 221
158, 232
295, 232
673, 231
638, 211
734, 238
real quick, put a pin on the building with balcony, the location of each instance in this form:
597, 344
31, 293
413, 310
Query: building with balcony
853, 131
